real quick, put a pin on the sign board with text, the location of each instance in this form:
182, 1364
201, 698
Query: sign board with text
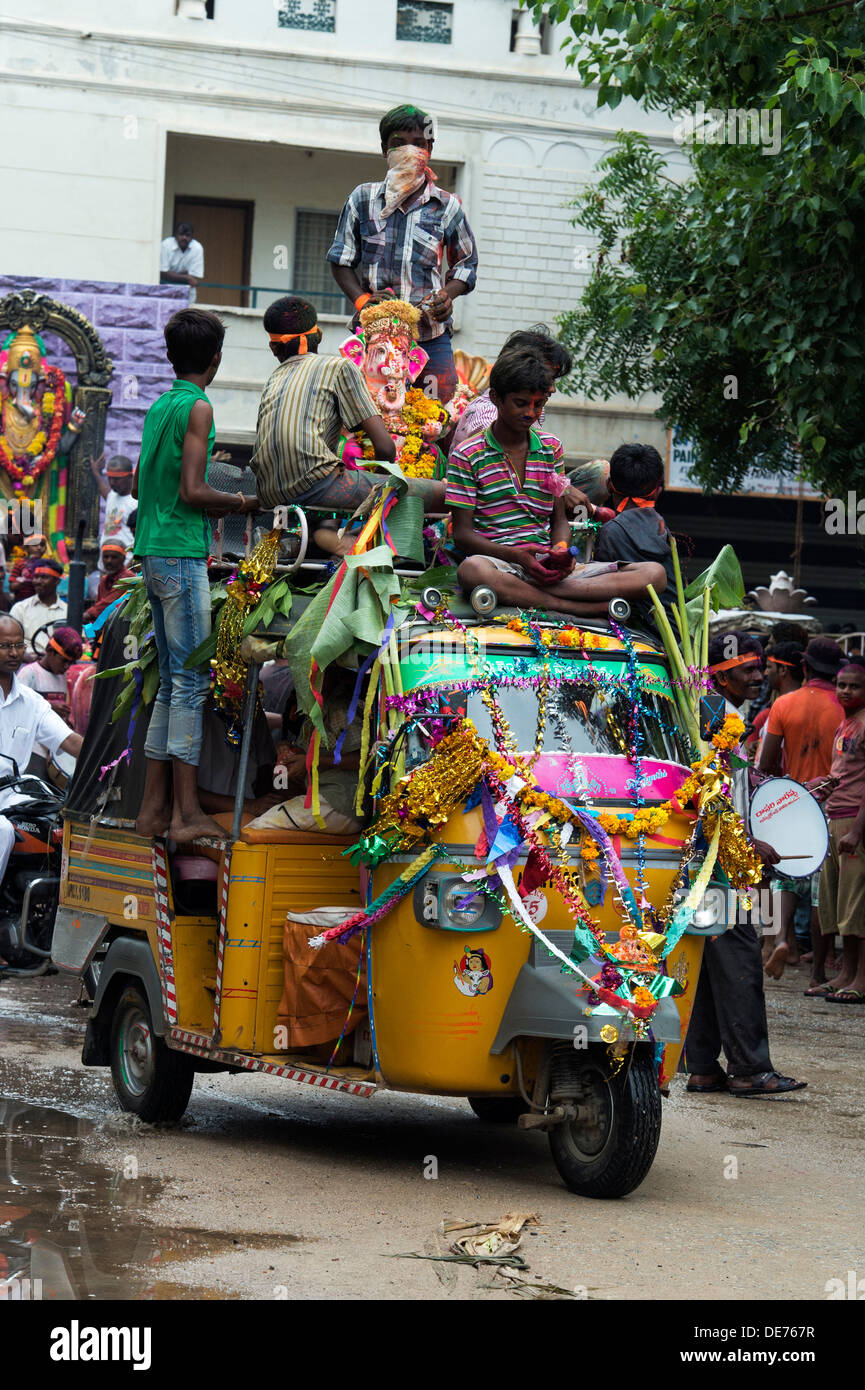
682, 457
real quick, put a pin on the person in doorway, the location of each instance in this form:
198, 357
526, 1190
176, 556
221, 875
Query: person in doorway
181, 259
44, 608
394, 236
842, 877
25, 720
509, 517
172, 540
800, 734
729, 1005
115, 486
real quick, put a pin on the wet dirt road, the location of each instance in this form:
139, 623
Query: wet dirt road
267, 1190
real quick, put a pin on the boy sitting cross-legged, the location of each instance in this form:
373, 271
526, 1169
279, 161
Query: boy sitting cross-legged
504, 487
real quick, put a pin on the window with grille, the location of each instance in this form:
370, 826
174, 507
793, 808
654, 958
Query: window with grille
424, 21
312, 278
319, 15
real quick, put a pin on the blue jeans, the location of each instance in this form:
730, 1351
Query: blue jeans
180, 599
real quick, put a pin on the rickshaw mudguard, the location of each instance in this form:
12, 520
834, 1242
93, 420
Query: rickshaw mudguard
128, 958
544, 1004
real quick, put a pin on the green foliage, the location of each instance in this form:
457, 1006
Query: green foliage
736, 295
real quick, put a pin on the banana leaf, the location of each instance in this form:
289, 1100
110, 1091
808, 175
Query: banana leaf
277, 599
442, 577
723, 579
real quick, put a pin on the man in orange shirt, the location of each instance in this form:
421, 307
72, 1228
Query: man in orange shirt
803, 724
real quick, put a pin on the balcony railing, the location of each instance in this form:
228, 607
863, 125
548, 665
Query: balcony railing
330, 301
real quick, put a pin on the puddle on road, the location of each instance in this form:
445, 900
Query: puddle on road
32, 1031
75, 1224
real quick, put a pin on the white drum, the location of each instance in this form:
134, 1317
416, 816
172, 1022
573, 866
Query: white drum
786, 816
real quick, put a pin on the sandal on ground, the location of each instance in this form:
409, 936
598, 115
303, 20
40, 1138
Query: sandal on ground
767, 1083
718, 1084
846, 996
817, 991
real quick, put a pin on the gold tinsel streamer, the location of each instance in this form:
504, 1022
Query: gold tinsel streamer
736, 854
228, 666
431, 793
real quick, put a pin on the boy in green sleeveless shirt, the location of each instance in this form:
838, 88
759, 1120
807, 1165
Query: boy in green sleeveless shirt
172, 540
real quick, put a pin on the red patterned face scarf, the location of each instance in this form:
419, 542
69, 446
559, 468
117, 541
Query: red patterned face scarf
407, 172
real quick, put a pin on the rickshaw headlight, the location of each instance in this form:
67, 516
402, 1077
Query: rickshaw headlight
457, 910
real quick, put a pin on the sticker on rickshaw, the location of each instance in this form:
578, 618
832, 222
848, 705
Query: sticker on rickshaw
473, 973
536, 905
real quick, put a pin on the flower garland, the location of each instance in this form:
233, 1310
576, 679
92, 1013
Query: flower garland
24, 469
418, 457
559, 637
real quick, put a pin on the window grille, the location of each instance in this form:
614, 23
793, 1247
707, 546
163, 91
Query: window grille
312, 278
424, 21
319, 15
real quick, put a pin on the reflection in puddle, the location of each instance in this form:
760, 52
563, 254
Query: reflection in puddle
75, 1224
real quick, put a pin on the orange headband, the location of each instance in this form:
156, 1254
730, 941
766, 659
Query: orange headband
776, 661
46, 569
57, 647
639, 501
290, 337
114, 545
735, 661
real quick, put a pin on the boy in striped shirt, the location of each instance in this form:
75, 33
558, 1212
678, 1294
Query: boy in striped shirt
505, 490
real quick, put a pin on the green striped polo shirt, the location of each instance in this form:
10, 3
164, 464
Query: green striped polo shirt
306, 403
481, 478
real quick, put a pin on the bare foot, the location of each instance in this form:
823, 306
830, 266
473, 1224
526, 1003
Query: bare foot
203, 827
774, 966
153, 825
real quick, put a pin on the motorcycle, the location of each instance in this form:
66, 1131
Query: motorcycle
30, 888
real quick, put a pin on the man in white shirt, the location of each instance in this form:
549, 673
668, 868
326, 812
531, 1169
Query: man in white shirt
181, 260
44, 607
25, 719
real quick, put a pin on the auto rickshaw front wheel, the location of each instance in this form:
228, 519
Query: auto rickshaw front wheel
608, 1149
151, 1080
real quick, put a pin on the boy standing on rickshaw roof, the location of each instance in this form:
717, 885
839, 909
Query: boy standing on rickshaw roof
505, 488
393, 236
172, 540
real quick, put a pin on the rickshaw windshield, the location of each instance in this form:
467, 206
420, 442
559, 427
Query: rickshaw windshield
580, 718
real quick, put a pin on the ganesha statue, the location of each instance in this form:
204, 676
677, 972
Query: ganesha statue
387, 352
38, 424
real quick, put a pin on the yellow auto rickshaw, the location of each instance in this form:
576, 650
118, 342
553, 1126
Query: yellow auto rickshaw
502, 913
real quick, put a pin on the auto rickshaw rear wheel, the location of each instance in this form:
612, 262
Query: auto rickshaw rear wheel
151, 1080
498, 1110
609, 1148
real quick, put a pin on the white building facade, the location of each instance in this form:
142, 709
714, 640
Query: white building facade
254, 119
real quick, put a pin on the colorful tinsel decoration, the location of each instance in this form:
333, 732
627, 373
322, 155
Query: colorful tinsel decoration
247, 584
